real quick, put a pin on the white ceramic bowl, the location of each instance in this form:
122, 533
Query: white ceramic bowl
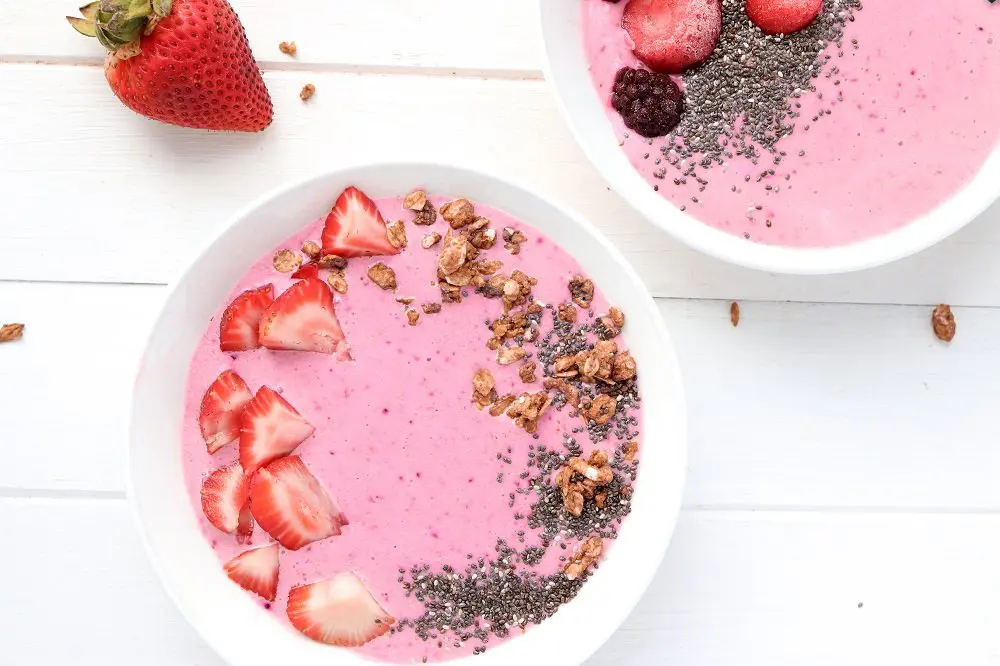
567, 71
229, 620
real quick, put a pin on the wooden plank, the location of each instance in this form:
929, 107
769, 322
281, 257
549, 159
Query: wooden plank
497, 37
801, 406
66, 386
753, 589
69, 148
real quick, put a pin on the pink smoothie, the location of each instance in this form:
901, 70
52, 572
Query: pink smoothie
912, 118
421, 474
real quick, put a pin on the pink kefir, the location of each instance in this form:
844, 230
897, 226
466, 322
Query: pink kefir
423, 476
903, 115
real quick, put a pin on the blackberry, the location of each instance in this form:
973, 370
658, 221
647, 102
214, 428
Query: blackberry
649, 102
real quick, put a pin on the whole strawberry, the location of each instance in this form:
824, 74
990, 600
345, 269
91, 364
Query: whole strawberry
183, 62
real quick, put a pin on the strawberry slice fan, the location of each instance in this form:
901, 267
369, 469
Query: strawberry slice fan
183, 62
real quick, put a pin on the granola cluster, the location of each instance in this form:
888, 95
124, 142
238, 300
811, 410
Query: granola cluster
581, 481
586, 556
524, 409
459, 265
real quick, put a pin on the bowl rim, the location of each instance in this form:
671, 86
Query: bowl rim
954, 213
654, 544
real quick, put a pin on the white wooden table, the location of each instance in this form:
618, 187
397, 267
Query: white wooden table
842, 504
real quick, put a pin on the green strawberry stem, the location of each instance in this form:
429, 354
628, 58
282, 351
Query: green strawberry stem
120, 23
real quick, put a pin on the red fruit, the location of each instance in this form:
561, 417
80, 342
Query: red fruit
340, 611
193, 69
238, 330
271, 429
306, 271
223, 495
222, 409
670, 36
244, 528
256, 570
783, 16
302, 319
355, 228
290, 504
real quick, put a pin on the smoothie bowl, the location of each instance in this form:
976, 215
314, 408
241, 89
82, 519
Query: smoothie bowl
800, 136
407, 413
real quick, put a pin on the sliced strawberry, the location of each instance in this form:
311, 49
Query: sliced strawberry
355, 228
303, 319
256, 570
340, 611
221, 409
670, 36
244, 529
306, 271
241, 320
783, 16
290, 504
271, 428
223, 495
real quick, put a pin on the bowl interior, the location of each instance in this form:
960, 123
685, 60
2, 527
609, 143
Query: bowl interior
223, 614
567, 70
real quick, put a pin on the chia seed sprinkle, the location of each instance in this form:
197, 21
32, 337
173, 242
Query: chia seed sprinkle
744, 96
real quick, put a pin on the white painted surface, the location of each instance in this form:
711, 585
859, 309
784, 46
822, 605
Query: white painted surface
839, 453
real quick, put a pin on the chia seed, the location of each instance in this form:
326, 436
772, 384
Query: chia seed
744, 96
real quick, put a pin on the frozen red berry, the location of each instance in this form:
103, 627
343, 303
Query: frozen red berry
649, 102
783, 16
670, 36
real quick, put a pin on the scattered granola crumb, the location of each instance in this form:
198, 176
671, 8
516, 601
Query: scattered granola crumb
484, 391
332, 261
734, 313
501, 405
511, 355
623, 367
405, 300
397, 234
601, 409
11, 332
312, 250
631, 450
513, 239
426, 216
528, 408
308, 90
581, 290
527, 372
617, 318
286, 261
606, 328
458, 213
588, 553
415, 200
943, 321
412, 316
289, 49
430, 240
337, 281
569, 392
567, 313
383, 276
431, 308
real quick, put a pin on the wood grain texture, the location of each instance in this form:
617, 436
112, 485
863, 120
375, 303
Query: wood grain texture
473, 37
736, 589
802, 406
95, 193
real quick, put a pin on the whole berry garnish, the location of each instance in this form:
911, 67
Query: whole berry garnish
183, 62
650, 103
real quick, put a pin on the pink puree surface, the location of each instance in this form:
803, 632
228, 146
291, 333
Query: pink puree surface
917, 122
398, 443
